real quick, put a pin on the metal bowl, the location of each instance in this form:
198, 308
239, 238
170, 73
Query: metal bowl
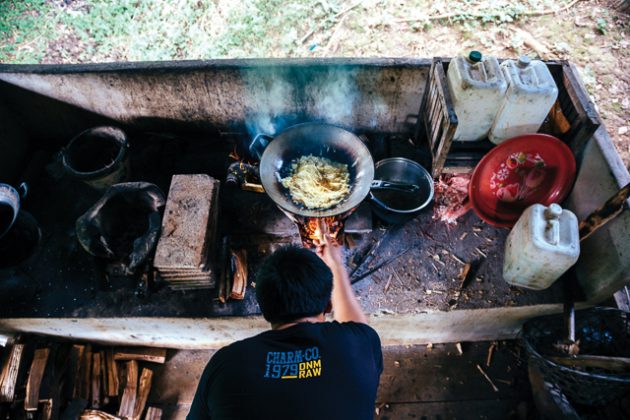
395, 206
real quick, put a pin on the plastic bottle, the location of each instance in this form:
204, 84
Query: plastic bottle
543, 244
477, 86
531, 92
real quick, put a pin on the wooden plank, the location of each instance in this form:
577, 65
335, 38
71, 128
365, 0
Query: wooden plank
128, 400
439, 373
147, 354
36, 373
153, 413
143, 393
96, 380
112, 374
9, 375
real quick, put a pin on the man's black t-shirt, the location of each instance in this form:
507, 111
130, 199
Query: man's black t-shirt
325, 370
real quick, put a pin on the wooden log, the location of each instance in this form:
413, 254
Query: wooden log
144, 354
10, 370
153, 413
97, 415
239, 276
113, 385
75, 360
128, 400
36, 373
143, 393
96, 380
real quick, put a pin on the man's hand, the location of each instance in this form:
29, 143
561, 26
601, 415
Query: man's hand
331, 253
344, 302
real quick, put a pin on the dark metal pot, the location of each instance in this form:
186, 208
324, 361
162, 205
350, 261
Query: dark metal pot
321, 140
395, 206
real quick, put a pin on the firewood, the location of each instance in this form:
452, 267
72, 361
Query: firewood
36, 373
97, 415
239, 276
86, 372
47, 409
103, 384
10, 370
112, 374
144, 354
143, 393
96, 380
128, 400
153, 413
74, 374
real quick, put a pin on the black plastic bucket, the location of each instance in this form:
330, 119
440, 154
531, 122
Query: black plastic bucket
98, 157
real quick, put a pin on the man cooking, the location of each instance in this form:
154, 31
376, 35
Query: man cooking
304, 367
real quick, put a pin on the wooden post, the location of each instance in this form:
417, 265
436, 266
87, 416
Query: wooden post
76, 361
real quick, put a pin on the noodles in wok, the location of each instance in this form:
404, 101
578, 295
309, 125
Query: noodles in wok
317, 182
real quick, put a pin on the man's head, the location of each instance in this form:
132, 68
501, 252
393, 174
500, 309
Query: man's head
293, 283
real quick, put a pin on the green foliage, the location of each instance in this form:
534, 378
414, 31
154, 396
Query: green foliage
22, 24
602, 26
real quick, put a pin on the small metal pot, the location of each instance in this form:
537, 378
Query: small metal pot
395, 206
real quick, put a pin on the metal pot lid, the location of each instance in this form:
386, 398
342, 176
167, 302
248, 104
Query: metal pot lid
322, 140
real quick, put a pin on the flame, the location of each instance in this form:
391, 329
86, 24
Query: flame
314, 229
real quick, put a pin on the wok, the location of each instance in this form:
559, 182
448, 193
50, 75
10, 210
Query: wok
321, 140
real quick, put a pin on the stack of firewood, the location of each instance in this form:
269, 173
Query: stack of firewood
77, 381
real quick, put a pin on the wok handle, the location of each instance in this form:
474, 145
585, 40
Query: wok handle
379, 184
259, 144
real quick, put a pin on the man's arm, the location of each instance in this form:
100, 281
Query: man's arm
345, 304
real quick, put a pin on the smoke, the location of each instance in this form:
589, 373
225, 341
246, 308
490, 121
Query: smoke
283, 96
334, 96
271, 95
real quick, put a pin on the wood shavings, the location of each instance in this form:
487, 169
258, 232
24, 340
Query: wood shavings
463, 236
490, 353
388, 285
456, 258
485, 375
458, 346
483, 254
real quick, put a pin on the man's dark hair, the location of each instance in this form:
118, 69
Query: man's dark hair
293, 283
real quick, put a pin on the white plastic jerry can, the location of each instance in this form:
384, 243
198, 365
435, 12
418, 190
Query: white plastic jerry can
543, 244
531, 92
477, 87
